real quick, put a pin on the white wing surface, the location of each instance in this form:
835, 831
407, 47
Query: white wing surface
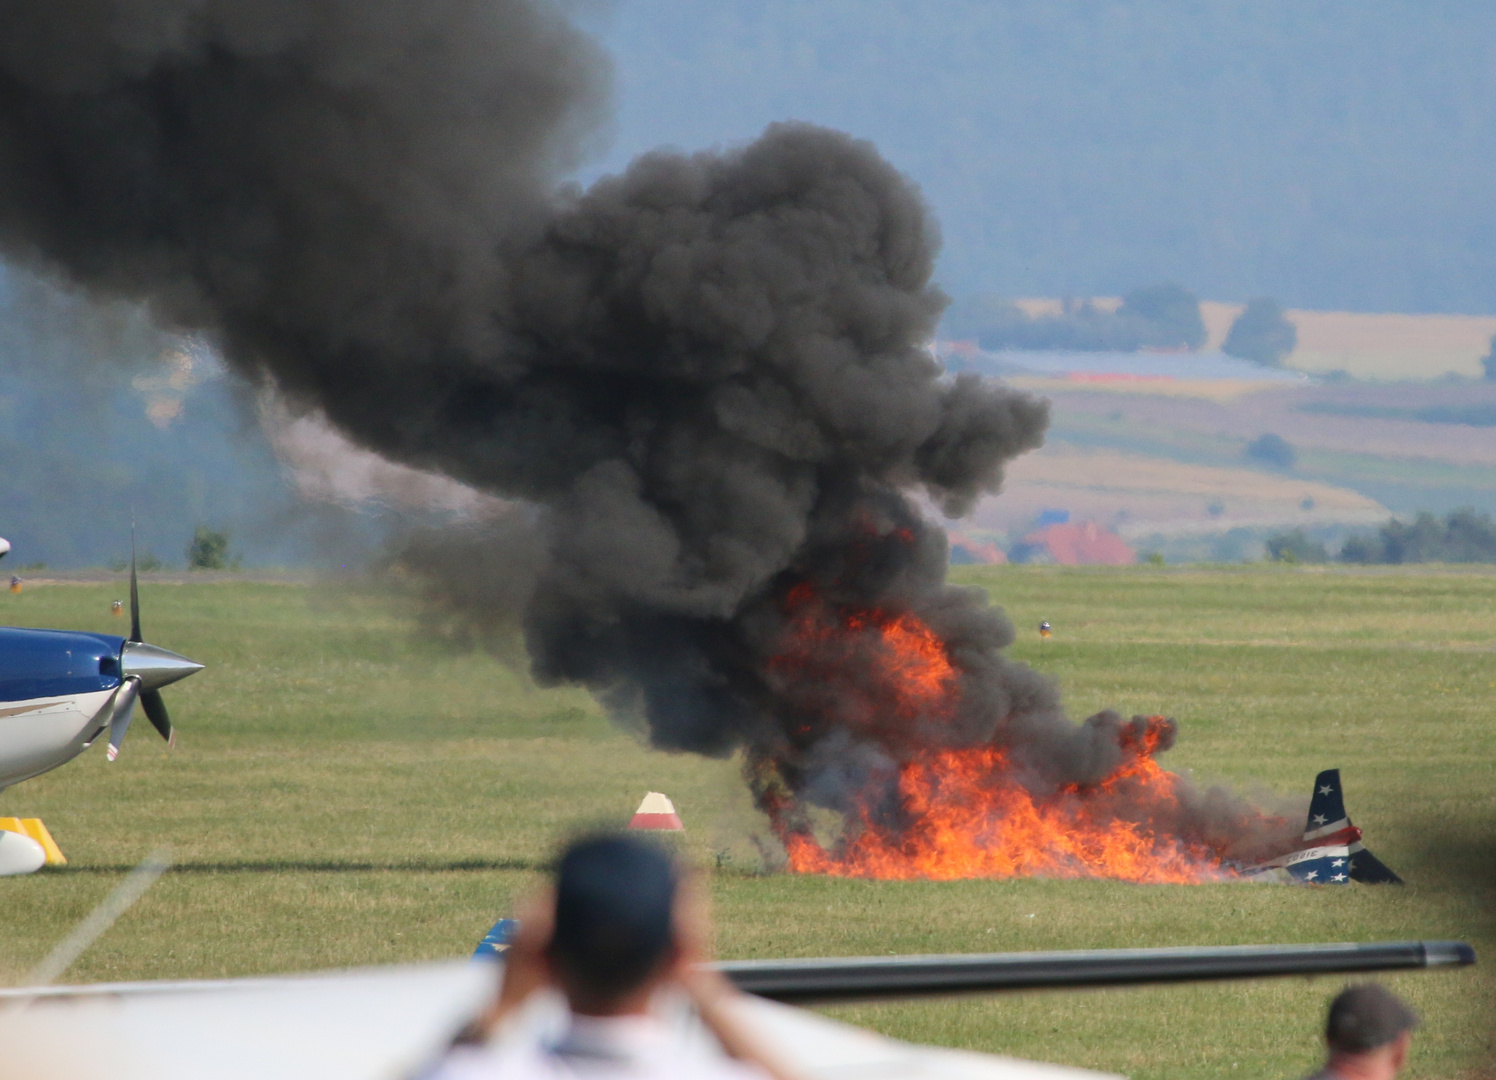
379, 1024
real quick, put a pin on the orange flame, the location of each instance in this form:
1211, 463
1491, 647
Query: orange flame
965, 816
866, 661
963, 813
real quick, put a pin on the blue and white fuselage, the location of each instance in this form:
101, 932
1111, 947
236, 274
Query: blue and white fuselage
57, 695
61, 689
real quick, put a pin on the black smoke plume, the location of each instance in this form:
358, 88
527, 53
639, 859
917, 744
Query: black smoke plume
707, 376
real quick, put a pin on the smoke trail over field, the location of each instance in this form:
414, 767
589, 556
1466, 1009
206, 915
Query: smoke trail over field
707, 374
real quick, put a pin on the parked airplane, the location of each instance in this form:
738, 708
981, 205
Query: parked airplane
1332, 852
61, 689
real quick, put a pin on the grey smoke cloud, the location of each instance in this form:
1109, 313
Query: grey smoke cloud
707, 374
325, 467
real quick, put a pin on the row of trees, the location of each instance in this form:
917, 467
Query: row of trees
1162, 316
1462, 536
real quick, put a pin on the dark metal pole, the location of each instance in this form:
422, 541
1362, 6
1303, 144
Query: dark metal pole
871, 977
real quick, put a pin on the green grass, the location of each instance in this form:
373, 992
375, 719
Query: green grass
347, 791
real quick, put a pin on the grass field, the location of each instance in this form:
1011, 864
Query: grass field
346, 792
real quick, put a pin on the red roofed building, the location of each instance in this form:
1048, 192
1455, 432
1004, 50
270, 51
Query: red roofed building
1075, 545
966, 551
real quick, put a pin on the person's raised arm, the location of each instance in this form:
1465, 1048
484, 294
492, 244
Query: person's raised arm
710, 991
526, 969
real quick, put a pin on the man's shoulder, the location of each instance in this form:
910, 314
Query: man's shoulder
492, 1063
704, 1068
488, 1061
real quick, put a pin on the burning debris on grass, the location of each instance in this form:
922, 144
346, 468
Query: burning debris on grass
707, 379
945, 760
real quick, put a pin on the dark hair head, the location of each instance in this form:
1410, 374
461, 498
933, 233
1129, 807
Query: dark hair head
614, 897
1366, 1016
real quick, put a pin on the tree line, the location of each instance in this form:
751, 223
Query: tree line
1462, 536
1163, 316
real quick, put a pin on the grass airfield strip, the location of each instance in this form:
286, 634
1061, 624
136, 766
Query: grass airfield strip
347, 791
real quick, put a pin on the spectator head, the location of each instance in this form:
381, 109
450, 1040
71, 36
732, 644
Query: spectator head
613, 935
1366, 1017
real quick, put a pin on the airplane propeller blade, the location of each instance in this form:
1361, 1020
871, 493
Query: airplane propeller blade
124, 712
147, 668
134, 592
155, 710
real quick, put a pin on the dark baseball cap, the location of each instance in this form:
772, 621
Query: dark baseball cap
615, 896
1366, 1016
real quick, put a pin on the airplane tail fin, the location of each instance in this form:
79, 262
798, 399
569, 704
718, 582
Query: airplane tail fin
1329, 823
1327, 807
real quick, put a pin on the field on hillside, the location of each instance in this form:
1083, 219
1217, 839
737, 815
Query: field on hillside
1182, 466
347, 791
1140, 495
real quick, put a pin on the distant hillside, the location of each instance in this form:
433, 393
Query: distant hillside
1401, 445
102, 415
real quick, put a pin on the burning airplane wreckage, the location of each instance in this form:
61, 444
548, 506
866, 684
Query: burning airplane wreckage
706, 379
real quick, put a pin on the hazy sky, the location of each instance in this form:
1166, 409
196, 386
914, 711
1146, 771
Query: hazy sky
1333, 154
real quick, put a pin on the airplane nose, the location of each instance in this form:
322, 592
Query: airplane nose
154, 666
